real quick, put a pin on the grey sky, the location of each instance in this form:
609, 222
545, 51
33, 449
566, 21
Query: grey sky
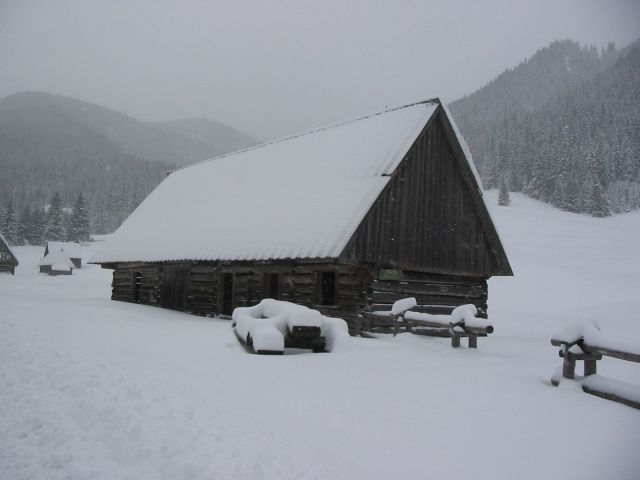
277, 67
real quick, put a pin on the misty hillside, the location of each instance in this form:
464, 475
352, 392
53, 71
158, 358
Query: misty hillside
54, 144
214, 135
177, 145
562, 127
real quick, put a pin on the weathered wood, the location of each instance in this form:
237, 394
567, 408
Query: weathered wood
630, 357
430, 214
427, 235
608, 395
569, 366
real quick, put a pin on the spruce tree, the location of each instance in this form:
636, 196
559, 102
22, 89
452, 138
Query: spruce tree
10, 224
503, 197
55, 220
24, 224
38, 227
79, 225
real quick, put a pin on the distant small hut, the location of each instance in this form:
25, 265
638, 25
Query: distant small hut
8, 259
70, 249
354, 215
56, 263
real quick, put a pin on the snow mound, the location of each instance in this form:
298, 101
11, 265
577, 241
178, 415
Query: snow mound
403, 305
304, 318
276, 318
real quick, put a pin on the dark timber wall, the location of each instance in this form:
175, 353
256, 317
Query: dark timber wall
212, 288
428, 217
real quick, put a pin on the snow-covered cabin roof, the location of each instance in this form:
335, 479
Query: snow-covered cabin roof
298, 197
59, 260
4, 245
71, 249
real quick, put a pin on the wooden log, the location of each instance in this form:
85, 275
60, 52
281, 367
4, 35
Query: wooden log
569, 366
631, 357
386, 297
612, 390
427, 288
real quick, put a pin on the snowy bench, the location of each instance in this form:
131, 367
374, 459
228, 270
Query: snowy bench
589, 344
270, 326
461, 323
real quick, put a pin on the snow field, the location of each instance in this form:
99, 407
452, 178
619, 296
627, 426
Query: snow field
91, 388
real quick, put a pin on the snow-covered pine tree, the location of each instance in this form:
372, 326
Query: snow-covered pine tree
38, 227
10, 224
503, 197
55, 230
79, 226
24, 224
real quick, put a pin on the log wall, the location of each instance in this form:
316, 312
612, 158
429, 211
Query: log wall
200, 289
436, 294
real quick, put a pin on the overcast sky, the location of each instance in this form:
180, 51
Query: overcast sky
273, 68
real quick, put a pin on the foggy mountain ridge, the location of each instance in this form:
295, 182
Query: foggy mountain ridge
562, 127
50, 143
151, 141
217, 136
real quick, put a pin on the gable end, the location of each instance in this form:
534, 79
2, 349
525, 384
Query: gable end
431, 216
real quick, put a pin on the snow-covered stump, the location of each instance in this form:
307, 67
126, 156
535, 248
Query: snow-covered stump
589, 344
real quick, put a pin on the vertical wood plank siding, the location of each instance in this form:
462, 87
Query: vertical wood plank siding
426, 218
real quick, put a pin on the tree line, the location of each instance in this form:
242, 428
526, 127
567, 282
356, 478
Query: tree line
36, 226
578, 148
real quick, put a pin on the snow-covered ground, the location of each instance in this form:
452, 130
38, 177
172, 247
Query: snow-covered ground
91, 388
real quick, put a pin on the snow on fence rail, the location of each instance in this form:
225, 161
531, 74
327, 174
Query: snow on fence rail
462, 322
589, 344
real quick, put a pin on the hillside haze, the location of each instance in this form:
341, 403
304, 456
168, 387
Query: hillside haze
562, 127
50, 143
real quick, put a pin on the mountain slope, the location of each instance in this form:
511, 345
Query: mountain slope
571, 141
140, 139
50, 143
43, 152
215, 135
525, 88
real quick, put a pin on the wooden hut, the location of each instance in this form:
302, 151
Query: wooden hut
8, 259
360, 213
70, 249
56, 263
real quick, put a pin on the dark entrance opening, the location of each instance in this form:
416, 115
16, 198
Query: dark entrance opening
174, 283
328, 288
227, 294
272, 285
137, 285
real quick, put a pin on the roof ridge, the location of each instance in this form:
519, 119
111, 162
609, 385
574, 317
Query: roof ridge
307, 132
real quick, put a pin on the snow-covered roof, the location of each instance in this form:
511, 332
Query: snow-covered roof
8, 248
298, 197
56, 259
71, 249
